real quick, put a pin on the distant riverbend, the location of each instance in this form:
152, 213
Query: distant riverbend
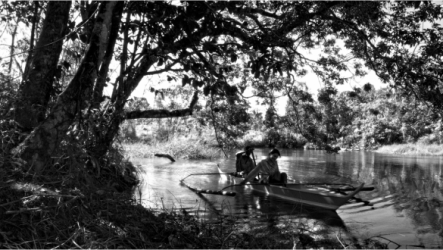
412, 149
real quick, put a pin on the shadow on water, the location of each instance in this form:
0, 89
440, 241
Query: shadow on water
408, 195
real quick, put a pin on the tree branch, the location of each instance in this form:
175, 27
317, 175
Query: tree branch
157, 113
163, 113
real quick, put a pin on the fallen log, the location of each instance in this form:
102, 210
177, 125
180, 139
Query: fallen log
165, 156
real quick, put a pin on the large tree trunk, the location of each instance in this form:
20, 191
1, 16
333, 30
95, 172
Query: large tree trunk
103, 74
35, 20
44, 141
35, 89
11, 59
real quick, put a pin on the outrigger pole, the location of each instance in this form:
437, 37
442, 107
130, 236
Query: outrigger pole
226, 193
205, 174
208, 191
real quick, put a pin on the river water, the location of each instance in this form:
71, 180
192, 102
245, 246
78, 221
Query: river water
407, 209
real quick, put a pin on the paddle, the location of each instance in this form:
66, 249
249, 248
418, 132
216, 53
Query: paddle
253, 158
366, 203
344, 189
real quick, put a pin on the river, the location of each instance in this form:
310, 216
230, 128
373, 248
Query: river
407, 209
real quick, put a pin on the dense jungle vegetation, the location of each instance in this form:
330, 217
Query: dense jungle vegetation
69, 69
361, 119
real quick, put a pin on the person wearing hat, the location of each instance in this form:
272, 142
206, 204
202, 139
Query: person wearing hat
244, 164
268, 168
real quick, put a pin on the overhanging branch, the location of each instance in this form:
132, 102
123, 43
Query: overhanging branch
158, 113
163, 113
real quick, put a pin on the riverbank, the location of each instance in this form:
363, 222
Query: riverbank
195, 144
181, 148
178, 148
412, 149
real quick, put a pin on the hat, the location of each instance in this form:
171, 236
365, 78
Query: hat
249, 148
275, 151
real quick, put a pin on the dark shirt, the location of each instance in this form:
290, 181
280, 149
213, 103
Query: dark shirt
244, 163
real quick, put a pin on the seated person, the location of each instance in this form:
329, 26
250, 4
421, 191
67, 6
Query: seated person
244, 163
268, 168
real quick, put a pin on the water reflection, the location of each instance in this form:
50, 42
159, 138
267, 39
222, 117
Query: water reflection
408, 199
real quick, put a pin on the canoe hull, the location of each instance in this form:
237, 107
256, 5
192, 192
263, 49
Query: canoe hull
305, 194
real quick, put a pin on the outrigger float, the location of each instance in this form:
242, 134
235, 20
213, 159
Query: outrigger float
328, 196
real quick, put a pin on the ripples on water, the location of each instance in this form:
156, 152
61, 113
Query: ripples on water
408, 199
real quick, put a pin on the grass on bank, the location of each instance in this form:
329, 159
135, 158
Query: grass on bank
138, 143
143, 141
192, 146
412, 149
177, 147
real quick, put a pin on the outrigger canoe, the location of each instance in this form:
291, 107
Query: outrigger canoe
315, 195
319, 195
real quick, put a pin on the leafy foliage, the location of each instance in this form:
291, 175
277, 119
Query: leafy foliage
367, 119
222, 48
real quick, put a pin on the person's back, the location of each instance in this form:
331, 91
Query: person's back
268, 168
244, 163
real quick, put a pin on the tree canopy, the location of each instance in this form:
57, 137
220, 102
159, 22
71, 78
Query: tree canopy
219, 48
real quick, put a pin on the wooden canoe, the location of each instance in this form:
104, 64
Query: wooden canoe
329, 196
314, 195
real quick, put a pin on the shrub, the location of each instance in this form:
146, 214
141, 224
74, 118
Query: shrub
428, 139
127, 131
252, 138
412, 149
293, 141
